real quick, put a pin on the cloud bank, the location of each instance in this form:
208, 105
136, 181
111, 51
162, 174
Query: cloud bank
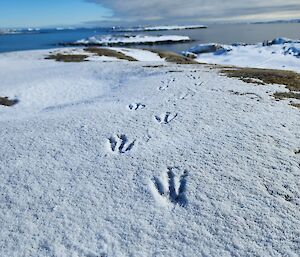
182, 11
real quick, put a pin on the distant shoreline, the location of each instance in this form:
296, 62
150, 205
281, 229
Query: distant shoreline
222, 34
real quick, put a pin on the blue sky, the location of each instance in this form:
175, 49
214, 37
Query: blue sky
36, 13
39, 13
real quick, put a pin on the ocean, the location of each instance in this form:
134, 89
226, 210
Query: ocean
216, 33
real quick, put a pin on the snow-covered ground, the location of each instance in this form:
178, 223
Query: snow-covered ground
280, 53
117, 158
130, 39
160, 28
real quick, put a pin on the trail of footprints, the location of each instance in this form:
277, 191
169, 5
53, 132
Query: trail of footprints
170, 186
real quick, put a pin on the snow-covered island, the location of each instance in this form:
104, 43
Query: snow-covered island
279, 53
125, 152
159, 28
123, 40
19, 31
9, 31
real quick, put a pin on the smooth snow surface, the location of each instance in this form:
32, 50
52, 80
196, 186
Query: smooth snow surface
280, 53
144, 159
130, 39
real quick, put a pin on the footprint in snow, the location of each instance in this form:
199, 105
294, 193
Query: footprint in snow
136, 106
187, 95
120, 144
171, 187
166, 118
165, 84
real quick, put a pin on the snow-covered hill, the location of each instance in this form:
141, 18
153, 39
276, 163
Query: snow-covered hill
280, 53
116, 158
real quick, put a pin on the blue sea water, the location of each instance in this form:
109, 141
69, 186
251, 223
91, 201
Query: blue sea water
217, 33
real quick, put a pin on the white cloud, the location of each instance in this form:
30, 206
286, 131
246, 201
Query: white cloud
202, 10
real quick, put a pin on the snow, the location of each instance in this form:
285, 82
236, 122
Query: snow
210, 48
293, 50
131, 39
281, 41
159, 28
65, 28
144, 159
33, 29
140, 55
9, 31
18, 31
280, 53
